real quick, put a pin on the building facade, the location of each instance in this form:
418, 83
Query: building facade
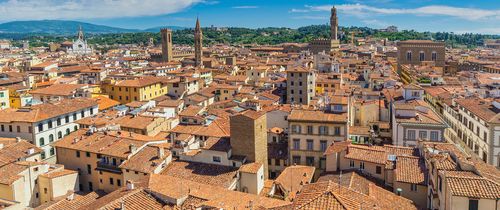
301, 83
415, 52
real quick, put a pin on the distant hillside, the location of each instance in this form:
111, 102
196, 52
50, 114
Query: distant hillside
58, 27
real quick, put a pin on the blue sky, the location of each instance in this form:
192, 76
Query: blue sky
482, 16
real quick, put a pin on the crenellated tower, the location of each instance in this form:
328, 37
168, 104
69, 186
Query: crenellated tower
334, 24
166, 45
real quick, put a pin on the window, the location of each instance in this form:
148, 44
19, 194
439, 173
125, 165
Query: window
296, 129
51, 138
440, 183
351, 163
309, 129
91, 188
111, 181
323, 145
66, 119
52, 151
413, 187
59, 135
434, 56
89, 169
473, 204
216, 159
119, 182
434, 135
87, 154
337, 131
42, 155
2, 128
485, 137
310, 161
82, 113
296, 144
408, 56
50, 124
296, 159
323, 130
277, 162
78, 154
310, 144
411, 135
40, 127
10, 128
74, 116
322, 163
361, 165
58, 121
422, 56
42, 141
337, 108
114, 161
422, 134
67, 131
378, 170
19, 129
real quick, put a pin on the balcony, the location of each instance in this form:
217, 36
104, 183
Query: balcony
101, 166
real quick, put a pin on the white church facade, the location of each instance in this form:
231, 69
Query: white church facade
80, 46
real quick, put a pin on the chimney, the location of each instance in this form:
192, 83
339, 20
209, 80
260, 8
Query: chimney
132, 148
122, 205
130, 185
399, 191
71, 195
161, 152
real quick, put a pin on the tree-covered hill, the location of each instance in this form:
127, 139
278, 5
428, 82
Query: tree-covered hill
264, 36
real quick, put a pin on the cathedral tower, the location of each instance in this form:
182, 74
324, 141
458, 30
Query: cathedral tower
198, 44
166, 45
334, 24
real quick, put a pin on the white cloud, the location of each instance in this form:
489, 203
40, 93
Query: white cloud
245, 7
365, 10
88, 9
299, 10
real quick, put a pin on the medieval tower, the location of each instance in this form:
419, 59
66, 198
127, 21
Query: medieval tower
334, 24
166, 45
198, 44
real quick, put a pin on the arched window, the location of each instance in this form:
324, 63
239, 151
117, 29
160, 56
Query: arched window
42, 141
408, 56
59, 135
76, 127
421, 56
51, 138
434, 56
67, 131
